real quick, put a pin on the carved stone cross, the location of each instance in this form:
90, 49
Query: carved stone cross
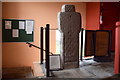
69, 23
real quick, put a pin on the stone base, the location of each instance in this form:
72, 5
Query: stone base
69, 65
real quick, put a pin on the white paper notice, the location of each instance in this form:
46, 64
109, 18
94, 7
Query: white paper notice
29, 27
21, 25
8, 24
15, 33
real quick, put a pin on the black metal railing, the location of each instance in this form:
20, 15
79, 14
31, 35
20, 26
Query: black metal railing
32, 45
47, 48
41, 42
47, 51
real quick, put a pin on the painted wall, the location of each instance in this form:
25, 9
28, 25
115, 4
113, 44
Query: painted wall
92, 15
0, 39
110, 17
19, 54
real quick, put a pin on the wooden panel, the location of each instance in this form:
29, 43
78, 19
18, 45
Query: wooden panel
89, 43
102, 43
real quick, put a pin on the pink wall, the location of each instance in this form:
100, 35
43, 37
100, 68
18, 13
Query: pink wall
92, 15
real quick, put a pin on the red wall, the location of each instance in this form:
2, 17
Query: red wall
110, 17
92, 15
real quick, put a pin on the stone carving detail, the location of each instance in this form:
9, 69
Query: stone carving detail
69, 23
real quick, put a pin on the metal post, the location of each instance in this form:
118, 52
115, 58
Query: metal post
41, 42
81, 44
47, 50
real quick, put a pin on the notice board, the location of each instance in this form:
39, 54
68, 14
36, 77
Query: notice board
17, 30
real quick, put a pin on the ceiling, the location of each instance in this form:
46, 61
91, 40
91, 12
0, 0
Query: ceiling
60, 0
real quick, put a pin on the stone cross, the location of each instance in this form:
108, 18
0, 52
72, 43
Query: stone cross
69, 23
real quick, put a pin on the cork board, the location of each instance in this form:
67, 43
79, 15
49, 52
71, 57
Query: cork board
7, 34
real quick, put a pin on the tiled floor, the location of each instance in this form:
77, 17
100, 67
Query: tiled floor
88, 69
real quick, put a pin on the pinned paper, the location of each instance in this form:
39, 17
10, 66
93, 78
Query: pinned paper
29, 27
8, 24
15, 33
21, 25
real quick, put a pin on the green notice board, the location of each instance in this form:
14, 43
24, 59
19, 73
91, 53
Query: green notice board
16, 30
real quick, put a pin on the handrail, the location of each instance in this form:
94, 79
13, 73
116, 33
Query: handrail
30, 45
47, 52
52, 28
